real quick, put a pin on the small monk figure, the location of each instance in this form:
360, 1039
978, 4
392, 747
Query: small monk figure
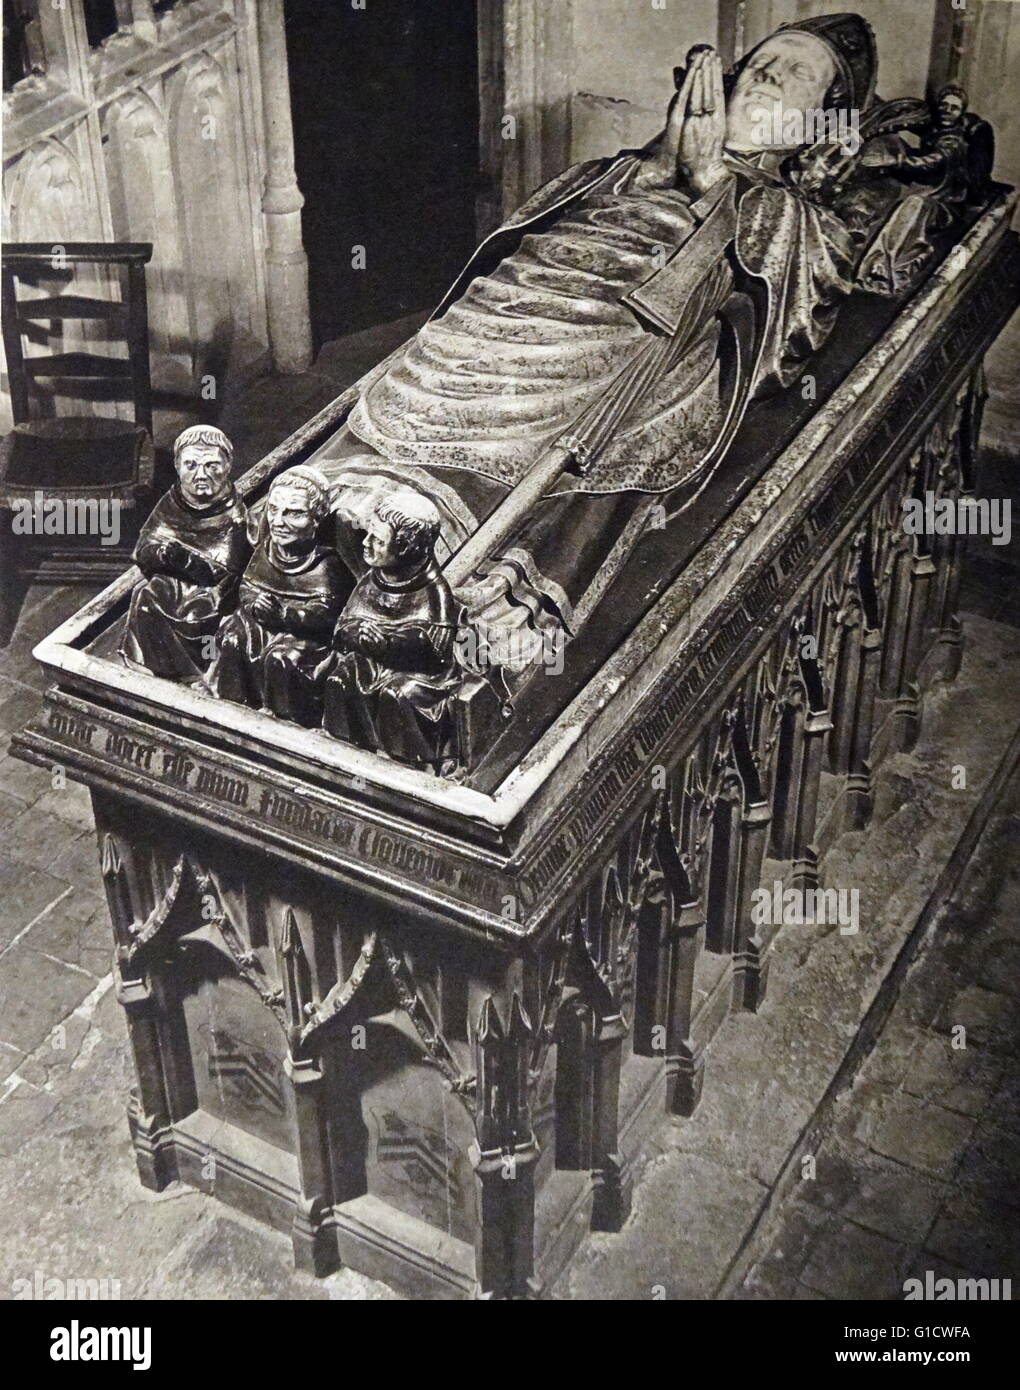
273, 651
192, 551
392, 684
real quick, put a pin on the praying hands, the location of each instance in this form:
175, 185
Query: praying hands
692, 145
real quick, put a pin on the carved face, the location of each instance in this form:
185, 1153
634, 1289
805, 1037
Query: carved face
290, 519
950, 108
203, 474
788, 72
380, 545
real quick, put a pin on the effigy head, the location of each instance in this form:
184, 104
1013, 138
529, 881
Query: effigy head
297, 504
202, 459
823, 64
402, 530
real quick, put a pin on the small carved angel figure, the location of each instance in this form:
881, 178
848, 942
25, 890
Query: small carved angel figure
273, 651
393, 682
192, 551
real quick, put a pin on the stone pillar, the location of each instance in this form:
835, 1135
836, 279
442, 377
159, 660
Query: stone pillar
575, 1032
898, 588
148, 1107
858, 777
750, 962
313, 1249
682, 935
817, 727
952, 43
611, 1182
731, 25
723, 889
908, 702
537, 67
950, 630
290, 333
503, 1156
671, 932
950, 637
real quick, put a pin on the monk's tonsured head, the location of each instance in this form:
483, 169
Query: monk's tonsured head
297, 503
403, 530
202, 459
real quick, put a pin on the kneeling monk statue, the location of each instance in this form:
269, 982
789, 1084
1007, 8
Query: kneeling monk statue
192, 552
273, 651
392, 685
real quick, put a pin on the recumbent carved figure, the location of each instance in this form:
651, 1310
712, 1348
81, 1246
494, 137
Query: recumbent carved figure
590, 368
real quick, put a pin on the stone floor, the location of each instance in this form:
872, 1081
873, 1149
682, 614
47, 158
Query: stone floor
915, 1168
919, 1171
723, 1190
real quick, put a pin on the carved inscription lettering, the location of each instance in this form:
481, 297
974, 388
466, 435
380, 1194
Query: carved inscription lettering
551, 860
177, 769
476, 886
297, 816
72, 727
233, 790
398, 854
275, 808
131, 750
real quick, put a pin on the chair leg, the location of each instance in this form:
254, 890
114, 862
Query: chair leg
13, 583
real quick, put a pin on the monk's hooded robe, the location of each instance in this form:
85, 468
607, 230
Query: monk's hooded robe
179, 605
277, 660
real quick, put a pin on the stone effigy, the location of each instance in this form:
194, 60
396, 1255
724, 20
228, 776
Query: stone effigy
423, 1021
589, 371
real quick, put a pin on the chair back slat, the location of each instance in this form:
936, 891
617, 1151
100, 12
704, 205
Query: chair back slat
71, 366
71, 306
127, 321
39, 256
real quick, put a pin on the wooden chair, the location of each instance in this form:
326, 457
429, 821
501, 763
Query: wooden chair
62, 473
